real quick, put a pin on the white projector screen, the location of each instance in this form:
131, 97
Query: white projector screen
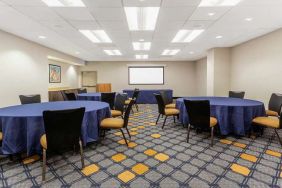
146, 75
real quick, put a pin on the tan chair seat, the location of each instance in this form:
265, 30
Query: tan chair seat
116, 113
43, 141
1, 136
213, 121
171, 111
112, 123
271, 113
127, 101
172, 105
267, 122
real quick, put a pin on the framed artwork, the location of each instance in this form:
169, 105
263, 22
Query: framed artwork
54, 73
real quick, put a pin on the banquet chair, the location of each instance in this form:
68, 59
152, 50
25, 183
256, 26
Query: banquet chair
82, 90
269, 122
109, 98
237, 94
70, 96
167, 100
30, 99
62, 133
274, 105
135, 97
118, 123
199, 116
1, 137
119, 105
165, 111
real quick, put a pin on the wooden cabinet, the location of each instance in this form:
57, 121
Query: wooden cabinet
104, 87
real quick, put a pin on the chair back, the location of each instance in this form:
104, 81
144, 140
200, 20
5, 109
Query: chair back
83, 90
109, 98
237, 94
30, 99
127, 113
275, 102
167, 100
160, 102
198, 113
70, 96
63, 128
120, 101
135, 94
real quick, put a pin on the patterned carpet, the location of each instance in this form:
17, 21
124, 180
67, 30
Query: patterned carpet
156, 158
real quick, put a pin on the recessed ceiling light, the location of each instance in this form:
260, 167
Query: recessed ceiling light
211, 14
219, 37
187, 35
113, 52
170, 52
96, 36
218, 3
141, 40
64, 3
42, 37
144, 56
191, 52
248, 19
141, 45
141, 18
77, 52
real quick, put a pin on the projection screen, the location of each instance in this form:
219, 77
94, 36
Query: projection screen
146, 75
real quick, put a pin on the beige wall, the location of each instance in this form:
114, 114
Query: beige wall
179, 76
201, 77
24, 68
256, 66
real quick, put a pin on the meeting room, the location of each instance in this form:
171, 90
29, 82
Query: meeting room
140, 93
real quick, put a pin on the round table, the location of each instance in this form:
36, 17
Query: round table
234, 115
23, 125
89, 97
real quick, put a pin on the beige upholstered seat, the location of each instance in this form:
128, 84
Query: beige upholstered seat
271, 113
112, 123
171, 111
213, 121
172, 105
1, 136
43, 141
116, 113
127, 101
267, 122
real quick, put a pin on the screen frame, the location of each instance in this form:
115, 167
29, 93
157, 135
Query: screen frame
163, 82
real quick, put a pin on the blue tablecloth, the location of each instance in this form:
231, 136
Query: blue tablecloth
233, 115
146, 96
89, 97
23, 125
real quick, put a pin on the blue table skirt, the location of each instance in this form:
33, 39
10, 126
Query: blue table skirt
23, 125
147, 96
233, 115
89, 97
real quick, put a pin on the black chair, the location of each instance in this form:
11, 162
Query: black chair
119, 105
118, 123
70, 96
199, 116
165, 111
109, 98
237, 94
80, 91
167, 100
135, 96
274, 105
30, 99
62, 133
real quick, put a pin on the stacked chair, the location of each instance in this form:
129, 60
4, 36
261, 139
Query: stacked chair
30, 99
237, 94
68, 96
82, 90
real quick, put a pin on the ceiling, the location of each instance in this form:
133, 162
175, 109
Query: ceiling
32, 18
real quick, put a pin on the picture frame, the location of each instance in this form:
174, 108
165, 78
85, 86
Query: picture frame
54, 73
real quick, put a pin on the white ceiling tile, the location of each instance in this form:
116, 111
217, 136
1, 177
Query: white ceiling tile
108, 14
138, 3
38, 13
201, 13
103, 3
180, 3
84, 24
175, 14
197, 24
36, 3
74, 13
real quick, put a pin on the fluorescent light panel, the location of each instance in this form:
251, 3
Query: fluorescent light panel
186, 35
141, 18
141, 45
170, 52
96, 36
141, 56
113, 52
64, 3
218, 3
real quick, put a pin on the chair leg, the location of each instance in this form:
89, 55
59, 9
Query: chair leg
278, 137
44, 165
158, 118
174, 119
212, 132
188, 133
81, 154
164, 122
128, 132
137, 108
124, 137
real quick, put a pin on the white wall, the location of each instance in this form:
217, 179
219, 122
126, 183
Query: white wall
179, 76
24, 68
256, 66
201, 77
